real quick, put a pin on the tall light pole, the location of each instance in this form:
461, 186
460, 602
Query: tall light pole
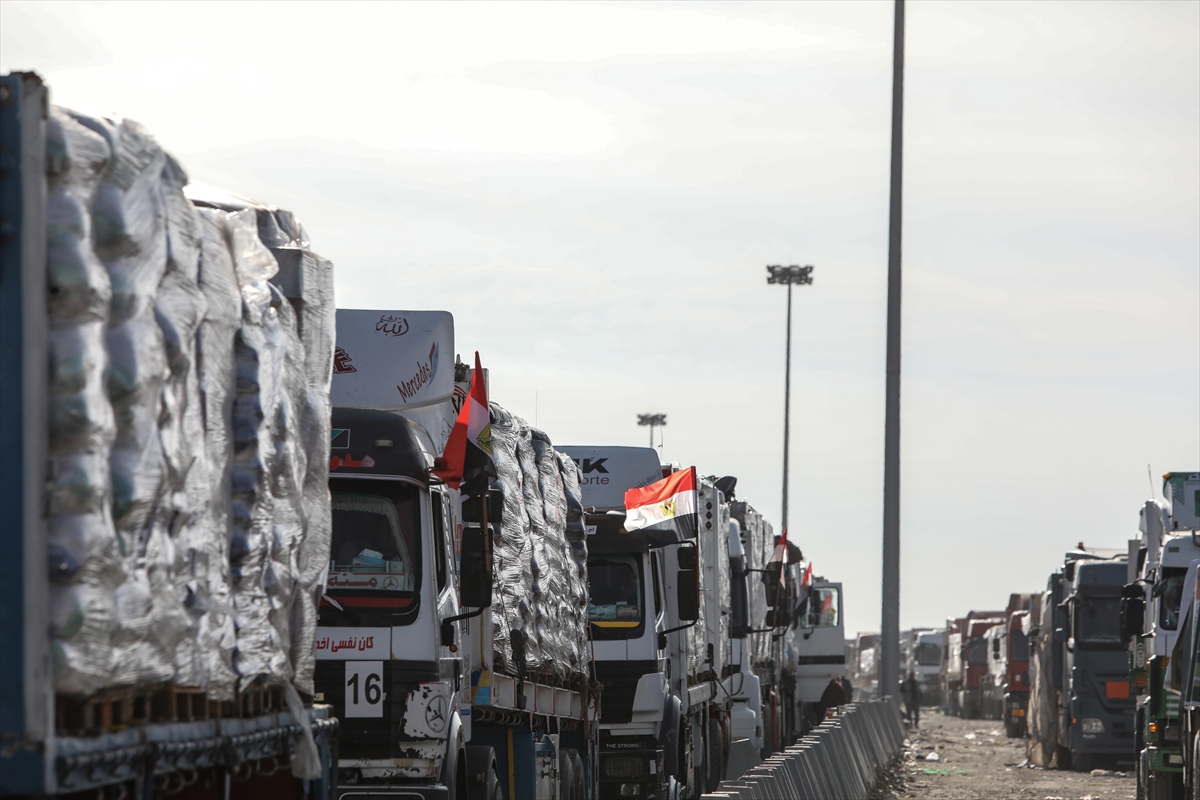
889, 623
653, 420
789, 276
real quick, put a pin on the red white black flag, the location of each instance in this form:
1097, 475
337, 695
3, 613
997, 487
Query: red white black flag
664, 507
468, 461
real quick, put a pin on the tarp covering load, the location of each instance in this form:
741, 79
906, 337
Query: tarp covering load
540, 595
191, 351
1042, 716
758, 541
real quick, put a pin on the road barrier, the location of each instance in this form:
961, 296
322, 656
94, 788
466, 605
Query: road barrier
839, 760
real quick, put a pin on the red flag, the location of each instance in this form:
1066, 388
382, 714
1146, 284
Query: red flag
780, 555
468, 459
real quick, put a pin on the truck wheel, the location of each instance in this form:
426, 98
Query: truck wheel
483, 777
578, 774
716, 748
1164, 786
1082, 762
1194, 768
1012, 729
1063, 756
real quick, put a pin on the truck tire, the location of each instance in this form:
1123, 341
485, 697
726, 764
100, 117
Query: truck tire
1194, 769
1164, 786
483, 776
580, 778
1083, 762
715, 755
1012, 729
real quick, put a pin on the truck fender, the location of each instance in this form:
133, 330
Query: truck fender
669, 734
455, 756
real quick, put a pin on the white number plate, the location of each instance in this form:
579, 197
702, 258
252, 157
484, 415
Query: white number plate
364, 688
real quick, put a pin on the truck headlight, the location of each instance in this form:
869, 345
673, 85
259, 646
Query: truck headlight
630, 790
1091, 725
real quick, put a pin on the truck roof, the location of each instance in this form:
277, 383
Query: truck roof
608, 471
371, 443
980, 626
1100, 574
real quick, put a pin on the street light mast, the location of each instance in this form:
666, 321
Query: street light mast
653, 420
789, 276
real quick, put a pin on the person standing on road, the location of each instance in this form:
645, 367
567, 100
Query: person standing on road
910, 690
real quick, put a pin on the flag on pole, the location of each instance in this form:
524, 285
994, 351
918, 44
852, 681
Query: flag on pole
781, 556
666, 506
468, 460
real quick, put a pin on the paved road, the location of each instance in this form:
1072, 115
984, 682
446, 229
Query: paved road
976, 762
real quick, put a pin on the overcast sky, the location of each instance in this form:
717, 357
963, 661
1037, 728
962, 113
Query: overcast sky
594, 190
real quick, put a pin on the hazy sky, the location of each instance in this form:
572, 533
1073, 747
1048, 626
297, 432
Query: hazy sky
594, 190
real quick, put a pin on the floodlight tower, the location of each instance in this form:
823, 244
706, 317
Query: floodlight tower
792, 275
653, 420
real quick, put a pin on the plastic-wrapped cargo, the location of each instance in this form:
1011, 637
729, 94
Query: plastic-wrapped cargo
540, 587
758, 541
83, 556
191, 348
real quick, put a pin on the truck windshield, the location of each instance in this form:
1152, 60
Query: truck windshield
822, 608
375, 544
617, 596
1097, 620
928, 654
1018, 645
977, 651
1172, 592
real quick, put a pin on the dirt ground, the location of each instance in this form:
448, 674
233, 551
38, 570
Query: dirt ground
976, 762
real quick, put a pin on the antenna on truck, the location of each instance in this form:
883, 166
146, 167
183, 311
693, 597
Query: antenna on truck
1150, 477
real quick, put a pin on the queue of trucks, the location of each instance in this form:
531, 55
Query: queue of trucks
236, 570
1097, 670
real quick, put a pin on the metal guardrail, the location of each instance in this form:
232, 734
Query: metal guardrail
841, 758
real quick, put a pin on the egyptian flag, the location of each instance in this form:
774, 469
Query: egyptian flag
468, 462
666, 508
780, 556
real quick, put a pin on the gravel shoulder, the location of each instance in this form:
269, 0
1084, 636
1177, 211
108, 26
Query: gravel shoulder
976, 761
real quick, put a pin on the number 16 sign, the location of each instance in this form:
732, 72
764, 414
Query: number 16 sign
364, 688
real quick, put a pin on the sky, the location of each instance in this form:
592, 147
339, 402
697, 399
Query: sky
594, 190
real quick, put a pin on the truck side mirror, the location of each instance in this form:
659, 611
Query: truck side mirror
475, 587
688, 590
472, 508
1133, 615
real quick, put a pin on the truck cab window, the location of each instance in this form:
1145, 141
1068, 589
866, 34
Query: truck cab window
928, 654
822, 608
1172, 593
374, 544
616, 602
438, 512
1097, 620
657, 592
1018, 645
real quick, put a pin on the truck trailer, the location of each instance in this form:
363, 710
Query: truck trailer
164, 366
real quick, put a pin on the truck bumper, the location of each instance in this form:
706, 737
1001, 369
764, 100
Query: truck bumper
1015, 706
369, 791
1164, 759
